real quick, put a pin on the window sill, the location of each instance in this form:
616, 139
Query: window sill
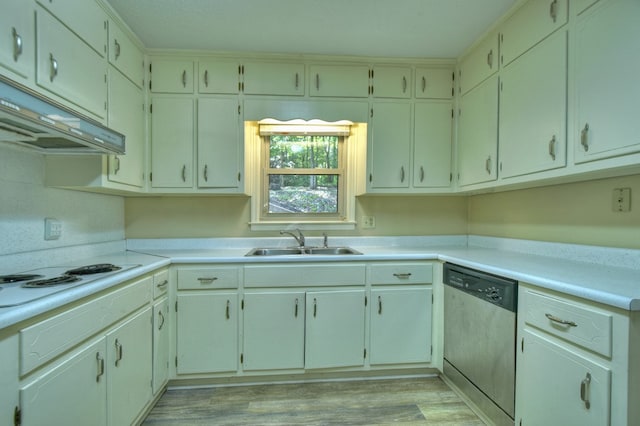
303, 226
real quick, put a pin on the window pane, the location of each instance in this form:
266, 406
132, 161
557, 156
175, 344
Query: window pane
303, 152
303, 193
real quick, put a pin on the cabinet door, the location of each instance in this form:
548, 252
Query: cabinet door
171, 142
129, 361
171, 76
432, 144
390, 145
69, 68
434, 83
335, 329
533, 112
219, 145
339, 81
74, 392
126, 115
207, 332
478, 134
160, 344
400, 325
479, 64
86, 19
606, 93
18, 38
530, 24
391, 82
219, 76
554, 385
261, 78
125, 55
274, 330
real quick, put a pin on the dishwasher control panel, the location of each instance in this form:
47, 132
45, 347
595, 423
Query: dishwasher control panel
498, 290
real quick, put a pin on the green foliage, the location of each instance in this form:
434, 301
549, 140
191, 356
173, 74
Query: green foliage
305, 152
303, 200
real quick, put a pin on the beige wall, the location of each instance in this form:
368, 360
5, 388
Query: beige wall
191, 217
578, 213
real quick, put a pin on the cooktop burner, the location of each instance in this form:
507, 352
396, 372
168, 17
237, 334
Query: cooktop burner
14, 278
97, 268
62, 279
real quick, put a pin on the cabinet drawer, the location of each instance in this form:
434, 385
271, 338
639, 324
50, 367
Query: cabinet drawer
401, 273
47, 339
580, 324
160, 283
301, 275
213, 277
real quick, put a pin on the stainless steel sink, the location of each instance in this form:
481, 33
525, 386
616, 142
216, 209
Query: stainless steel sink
327, 251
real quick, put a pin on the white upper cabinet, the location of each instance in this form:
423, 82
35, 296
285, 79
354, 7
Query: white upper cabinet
69, 67
351, 81
391, 82
534, 21
17, 40
434, 83
533, 112
125, 55
479, 64
273, 78
219, 76
606, 93
171, 76
432, 144
478, 134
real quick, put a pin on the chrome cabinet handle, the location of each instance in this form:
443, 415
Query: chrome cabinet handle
315, 307
424, 84
490, 58
318, 82
162, 284
379, 305
17, 44
402, 275
161, 317
404, 84
53, 72
100, 362
205, 280
584, 137
206, 78
295, 309
184, 78
487, 165
552, 148
227, 313
116, 45
402, 174
297, 80
118, 352
421, 174
206, 173
116, 168
184, 173
560, 320
553, 10
585, 386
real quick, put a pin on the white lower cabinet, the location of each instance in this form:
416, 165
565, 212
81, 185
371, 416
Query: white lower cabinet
160, 344
274, 329
335, 329
207, 332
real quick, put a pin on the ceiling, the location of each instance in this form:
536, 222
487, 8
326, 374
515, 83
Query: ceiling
382, 28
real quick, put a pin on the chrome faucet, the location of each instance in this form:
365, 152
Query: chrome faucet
299, 238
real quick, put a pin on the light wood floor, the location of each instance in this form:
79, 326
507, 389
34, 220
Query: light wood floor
418, 401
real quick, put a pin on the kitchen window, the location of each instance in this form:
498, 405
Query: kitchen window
303, 173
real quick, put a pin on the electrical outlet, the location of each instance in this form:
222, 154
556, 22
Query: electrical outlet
622, 199
52, 228
368, 222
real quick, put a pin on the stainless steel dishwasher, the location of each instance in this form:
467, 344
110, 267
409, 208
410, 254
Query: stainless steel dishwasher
479, 339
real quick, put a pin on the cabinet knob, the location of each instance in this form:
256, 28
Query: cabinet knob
552, 148
116, 46
184, 78
184, 173
17, 44
206, 173
487, 165
206, 78
584, 391
490, 59
53, 71
100, 361
584, 137
553, 10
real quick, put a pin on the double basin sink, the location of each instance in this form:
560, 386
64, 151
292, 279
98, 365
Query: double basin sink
301, 251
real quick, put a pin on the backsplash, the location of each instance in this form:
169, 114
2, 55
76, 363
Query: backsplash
25, 202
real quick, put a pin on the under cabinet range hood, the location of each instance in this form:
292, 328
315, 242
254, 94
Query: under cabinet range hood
29, 118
